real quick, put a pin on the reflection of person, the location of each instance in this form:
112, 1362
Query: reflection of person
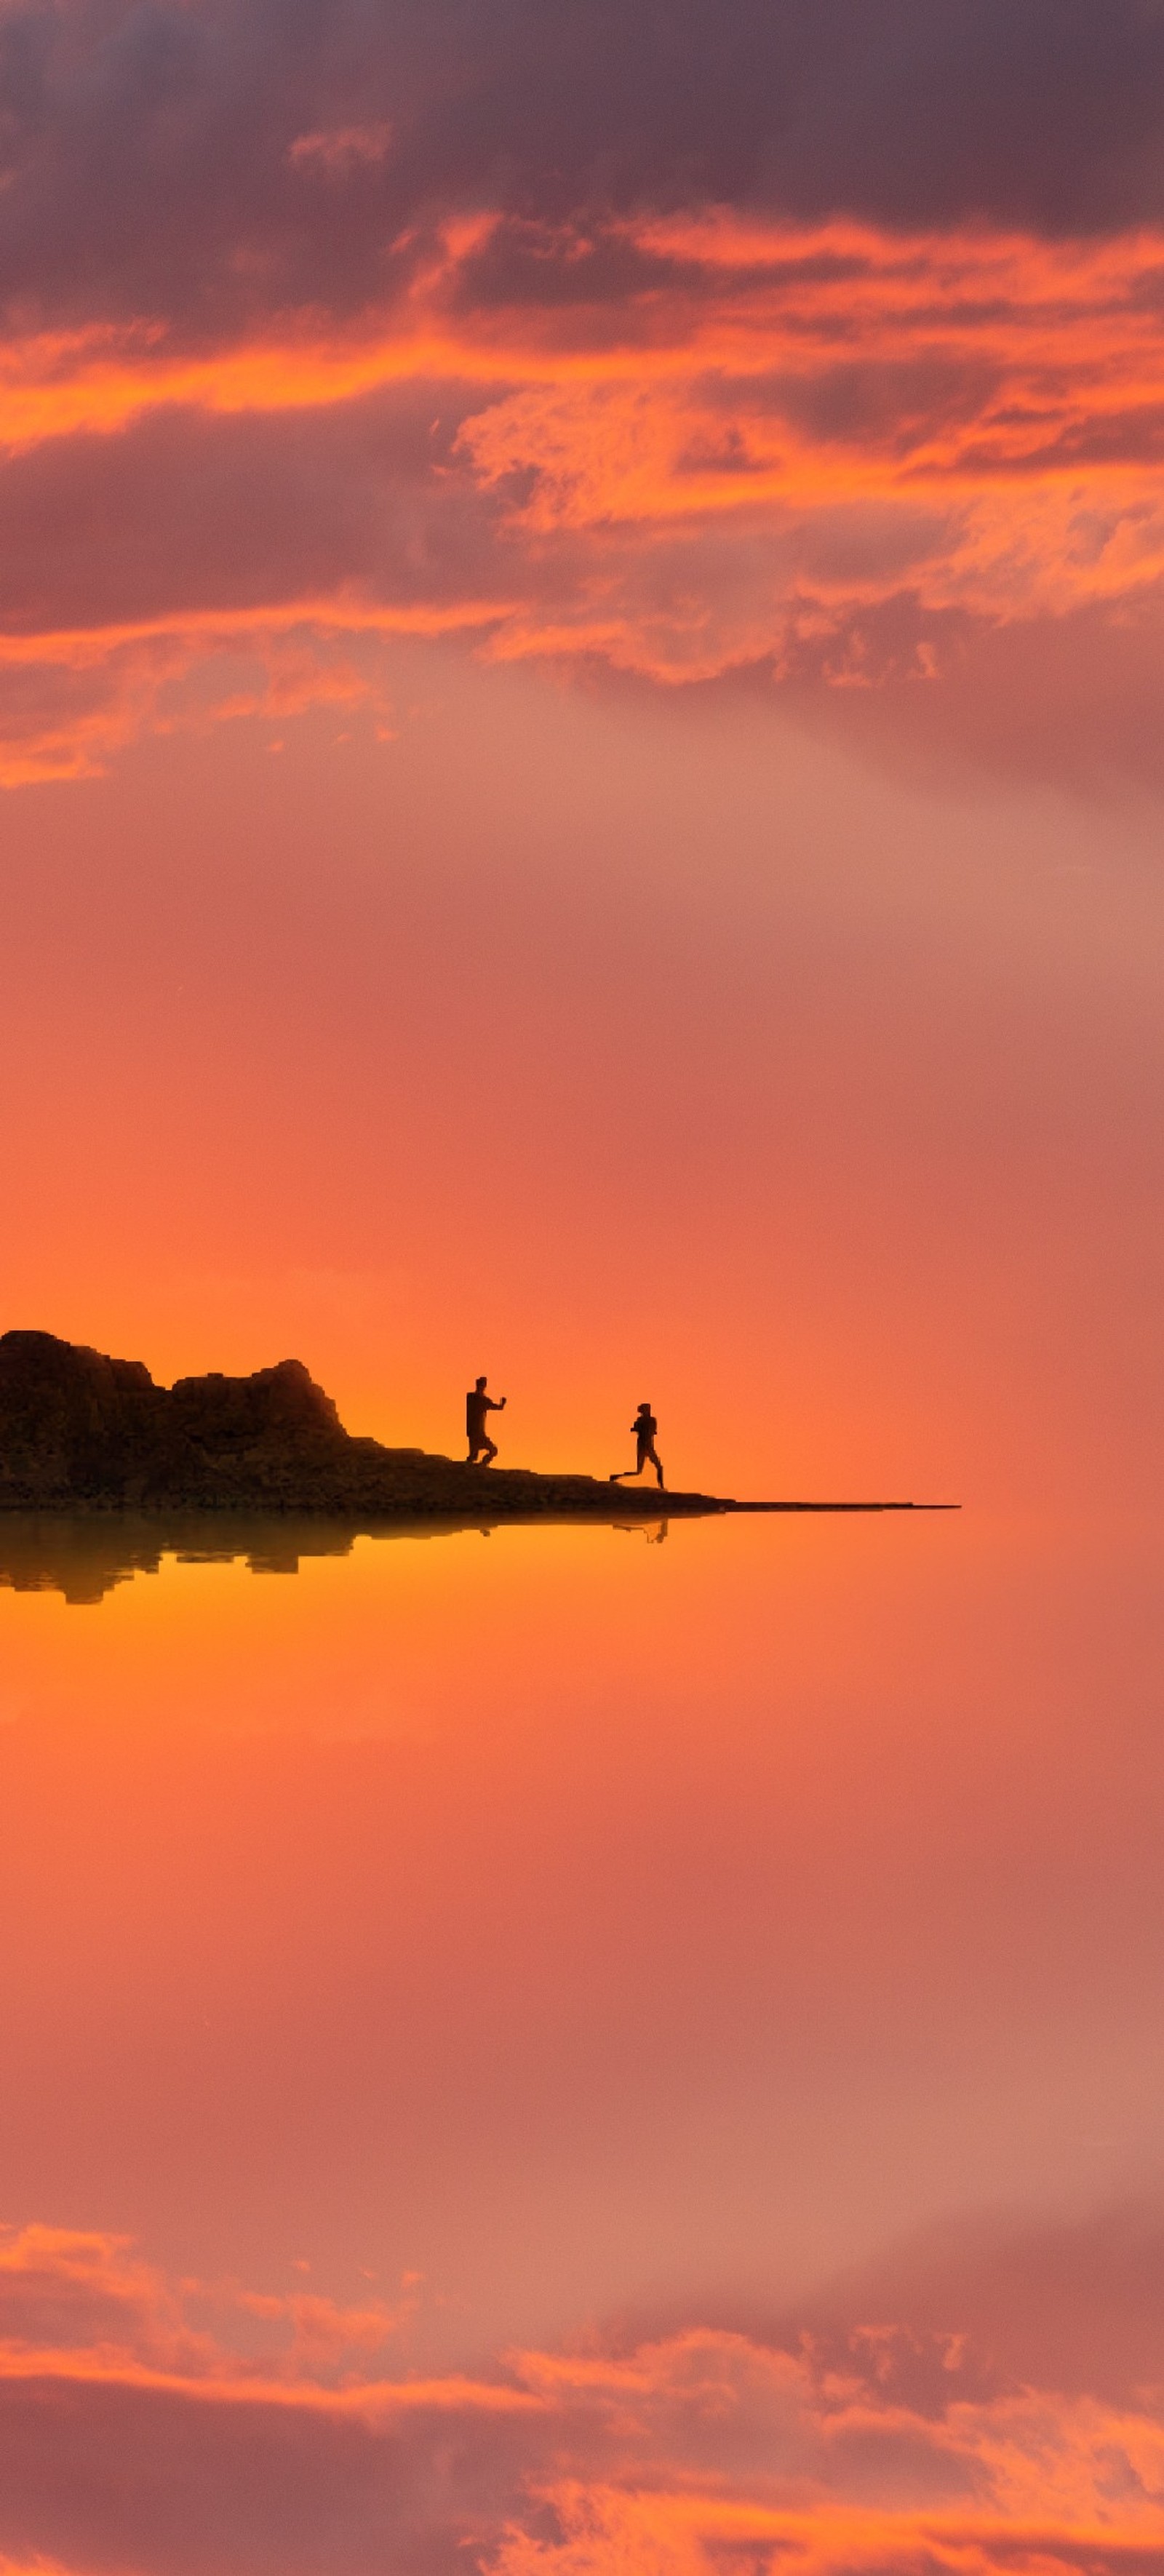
652, 1532
477, 1405
643, 1429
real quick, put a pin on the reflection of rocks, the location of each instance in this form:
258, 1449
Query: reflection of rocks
78, 1430
85, 1554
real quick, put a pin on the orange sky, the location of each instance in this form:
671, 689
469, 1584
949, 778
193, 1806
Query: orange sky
580, 764
616, 1051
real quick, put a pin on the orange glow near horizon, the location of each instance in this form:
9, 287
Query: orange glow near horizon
803, 1159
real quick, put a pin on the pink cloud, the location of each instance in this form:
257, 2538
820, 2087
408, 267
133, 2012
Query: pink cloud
337, 150
604, 2533
690, 451
128, 2438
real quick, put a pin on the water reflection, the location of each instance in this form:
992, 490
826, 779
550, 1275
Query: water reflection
654, 1532
462, 1947
86, 1555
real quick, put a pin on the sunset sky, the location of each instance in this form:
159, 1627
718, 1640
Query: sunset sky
582, 613
581, 782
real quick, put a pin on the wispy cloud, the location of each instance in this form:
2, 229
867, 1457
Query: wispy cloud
338, 150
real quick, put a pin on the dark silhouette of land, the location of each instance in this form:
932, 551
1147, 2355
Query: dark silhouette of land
82, 1433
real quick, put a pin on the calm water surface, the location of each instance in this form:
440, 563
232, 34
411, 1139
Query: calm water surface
538, 1929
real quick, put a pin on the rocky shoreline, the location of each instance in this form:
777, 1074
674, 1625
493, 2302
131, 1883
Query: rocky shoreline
81, 1432
84, 1434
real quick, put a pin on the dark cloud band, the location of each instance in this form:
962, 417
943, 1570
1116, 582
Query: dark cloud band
208, 162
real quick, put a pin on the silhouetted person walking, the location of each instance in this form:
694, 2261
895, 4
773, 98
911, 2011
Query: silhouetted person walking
643, 1429
477, 1405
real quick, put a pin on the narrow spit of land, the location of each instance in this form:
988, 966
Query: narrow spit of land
83, 1433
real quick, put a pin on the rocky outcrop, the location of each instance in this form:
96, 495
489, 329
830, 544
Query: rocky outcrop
80, 1431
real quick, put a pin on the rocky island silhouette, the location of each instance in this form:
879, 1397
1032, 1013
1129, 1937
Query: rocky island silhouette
83, 1433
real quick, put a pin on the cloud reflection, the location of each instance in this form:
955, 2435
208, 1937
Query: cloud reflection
187, 2426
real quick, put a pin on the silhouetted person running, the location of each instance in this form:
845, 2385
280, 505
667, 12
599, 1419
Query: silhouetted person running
477, 1405
643, 1429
